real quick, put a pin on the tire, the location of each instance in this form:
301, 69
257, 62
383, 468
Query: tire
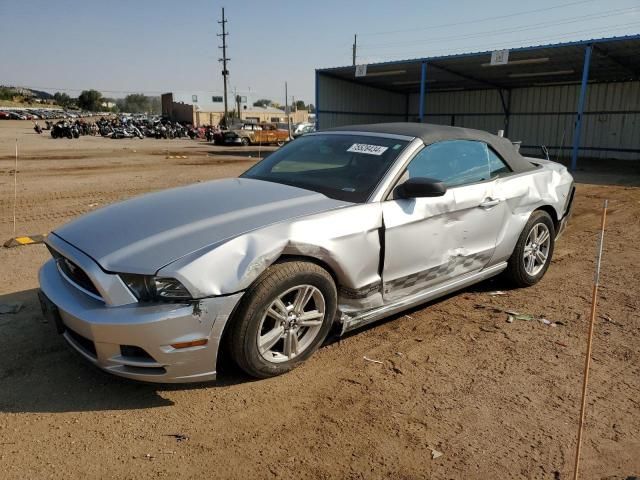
279, 287
244, 141
280, 143
520, 272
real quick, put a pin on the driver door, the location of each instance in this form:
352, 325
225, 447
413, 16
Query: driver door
433, 240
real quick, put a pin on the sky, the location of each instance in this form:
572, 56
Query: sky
157, 46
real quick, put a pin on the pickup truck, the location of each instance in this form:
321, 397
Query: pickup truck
255, 133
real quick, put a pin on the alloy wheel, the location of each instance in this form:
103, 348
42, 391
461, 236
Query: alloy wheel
291, 323
536, 249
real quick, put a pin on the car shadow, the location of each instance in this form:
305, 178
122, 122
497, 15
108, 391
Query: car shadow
39, 373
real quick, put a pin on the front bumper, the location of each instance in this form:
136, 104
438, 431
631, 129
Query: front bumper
98, 332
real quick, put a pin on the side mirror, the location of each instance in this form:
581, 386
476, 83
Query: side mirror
421, 187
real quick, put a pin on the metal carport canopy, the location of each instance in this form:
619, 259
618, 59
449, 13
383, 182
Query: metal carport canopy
587, 61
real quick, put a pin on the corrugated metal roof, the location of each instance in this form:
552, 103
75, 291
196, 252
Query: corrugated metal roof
613, 59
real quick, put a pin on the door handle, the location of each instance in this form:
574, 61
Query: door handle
489, 202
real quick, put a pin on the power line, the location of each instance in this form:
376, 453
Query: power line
532, 26
486, 19
485, 47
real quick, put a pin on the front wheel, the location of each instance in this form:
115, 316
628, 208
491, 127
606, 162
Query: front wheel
244, 141
284, 317
532, 255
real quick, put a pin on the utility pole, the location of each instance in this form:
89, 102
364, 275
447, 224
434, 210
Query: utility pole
238, 99
224, 60
286, 108
355, 48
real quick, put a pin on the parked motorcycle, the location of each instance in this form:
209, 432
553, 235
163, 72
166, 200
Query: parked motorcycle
62, 129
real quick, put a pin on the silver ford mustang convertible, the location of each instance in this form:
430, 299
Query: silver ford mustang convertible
335, 230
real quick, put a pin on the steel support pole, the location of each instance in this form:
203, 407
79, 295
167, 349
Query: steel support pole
423, 81
317, 100
583, 94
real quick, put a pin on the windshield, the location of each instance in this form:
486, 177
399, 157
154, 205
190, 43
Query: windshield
343, 167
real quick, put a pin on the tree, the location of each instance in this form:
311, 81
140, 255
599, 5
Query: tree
62, 99
263, 102
155, 105
90, 100
6, 93
300, 105
139, 103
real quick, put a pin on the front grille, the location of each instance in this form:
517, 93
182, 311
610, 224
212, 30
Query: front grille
74, 273
83, 342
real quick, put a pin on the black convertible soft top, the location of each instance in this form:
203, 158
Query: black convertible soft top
429, 134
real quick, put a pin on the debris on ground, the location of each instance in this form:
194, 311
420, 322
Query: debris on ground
372, 360
178, 436
511, 316
610, 320
496, 293
435, 454
25, 240
11, 307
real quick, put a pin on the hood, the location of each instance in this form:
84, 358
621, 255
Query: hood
144, 234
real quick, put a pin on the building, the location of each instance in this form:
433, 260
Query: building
578, 99
207, 108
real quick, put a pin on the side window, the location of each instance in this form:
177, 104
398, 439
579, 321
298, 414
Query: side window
496, 164
453, 162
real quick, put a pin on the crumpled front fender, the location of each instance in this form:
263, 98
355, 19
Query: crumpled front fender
345, 239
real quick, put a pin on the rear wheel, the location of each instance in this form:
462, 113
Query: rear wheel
532, 255
283, 318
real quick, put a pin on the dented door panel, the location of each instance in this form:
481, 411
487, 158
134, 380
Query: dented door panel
431, 240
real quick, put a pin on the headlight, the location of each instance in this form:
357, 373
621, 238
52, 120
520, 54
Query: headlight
148, 289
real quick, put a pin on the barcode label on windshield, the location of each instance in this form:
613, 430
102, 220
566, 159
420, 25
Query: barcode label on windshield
368, 149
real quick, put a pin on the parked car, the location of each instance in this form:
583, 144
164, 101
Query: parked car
303, 128
255, 133
335, 230
16, 116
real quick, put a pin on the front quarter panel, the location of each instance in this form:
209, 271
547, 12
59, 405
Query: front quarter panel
345, 239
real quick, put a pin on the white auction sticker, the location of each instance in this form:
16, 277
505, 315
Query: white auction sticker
368, 149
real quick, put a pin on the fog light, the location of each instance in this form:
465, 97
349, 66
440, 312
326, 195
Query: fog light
195, 343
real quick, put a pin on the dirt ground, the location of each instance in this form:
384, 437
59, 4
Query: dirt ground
497, 399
